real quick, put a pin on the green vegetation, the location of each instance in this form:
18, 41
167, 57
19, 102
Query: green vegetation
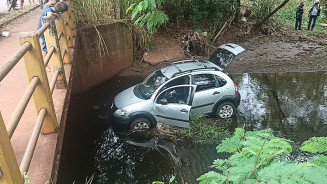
202, 14
94, 12
260, 157
315, 145
148, 12
159, 182
286, 16
211, 16
203, 132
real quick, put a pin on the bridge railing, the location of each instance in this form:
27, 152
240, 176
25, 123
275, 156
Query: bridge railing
59, 34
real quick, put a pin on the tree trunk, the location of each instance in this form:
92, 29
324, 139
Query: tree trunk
257, 25
238, 11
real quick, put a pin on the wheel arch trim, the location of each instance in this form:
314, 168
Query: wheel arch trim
229, 98
143, 114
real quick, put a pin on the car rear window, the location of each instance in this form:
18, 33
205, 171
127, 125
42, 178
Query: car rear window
204, 82
221, 81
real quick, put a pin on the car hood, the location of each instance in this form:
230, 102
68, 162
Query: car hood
225, 54
126, 97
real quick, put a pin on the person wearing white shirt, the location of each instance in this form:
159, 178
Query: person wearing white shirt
313, 14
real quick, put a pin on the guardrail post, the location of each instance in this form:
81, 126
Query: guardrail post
69, 29
63, 40
34, 66
9, 170
51, 40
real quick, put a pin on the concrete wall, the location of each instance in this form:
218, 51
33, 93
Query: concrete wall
96, 62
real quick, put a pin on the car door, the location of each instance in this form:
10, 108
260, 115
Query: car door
172, 106
225, 54
207, 92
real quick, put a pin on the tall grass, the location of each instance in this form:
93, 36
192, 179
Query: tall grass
202, 131
90, 13
94, 12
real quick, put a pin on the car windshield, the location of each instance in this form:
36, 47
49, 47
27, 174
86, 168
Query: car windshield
151, 84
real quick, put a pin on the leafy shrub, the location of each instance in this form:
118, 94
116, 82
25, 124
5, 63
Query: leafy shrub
148, 12
203, 14
259, 157
315, 145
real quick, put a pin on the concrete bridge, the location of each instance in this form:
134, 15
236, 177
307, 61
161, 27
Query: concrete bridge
31, 138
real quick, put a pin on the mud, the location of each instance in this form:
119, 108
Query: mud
283, 51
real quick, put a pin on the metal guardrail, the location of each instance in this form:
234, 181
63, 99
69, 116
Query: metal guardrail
39, 88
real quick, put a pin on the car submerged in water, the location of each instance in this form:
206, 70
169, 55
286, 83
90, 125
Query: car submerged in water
171, 93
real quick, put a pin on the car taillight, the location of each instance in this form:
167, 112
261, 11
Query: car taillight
236, 89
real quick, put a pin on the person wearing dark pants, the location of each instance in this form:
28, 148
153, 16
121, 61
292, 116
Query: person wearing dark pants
299, 14
313, 14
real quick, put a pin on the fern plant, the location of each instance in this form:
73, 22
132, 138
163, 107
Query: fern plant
315, 145
147, 12
259, 157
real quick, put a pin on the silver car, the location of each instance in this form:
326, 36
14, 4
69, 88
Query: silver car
170, 94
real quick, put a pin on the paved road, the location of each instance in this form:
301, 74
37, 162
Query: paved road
3, 6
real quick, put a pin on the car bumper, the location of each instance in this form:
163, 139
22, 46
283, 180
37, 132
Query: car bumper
119, 123
237, 99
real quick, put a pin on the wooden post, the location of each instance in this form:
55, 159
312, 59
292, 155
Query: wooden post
9, 170
34, 66
51, 40
63, 40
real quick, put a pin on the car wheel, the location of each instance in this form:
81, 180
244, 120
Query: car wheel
225, 110
140, 124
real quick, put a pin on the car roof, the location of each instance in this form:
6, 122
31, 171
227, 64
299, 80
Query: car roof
187, 66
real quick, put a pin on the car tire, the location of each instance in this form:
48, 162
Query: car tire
225, 110
140, 124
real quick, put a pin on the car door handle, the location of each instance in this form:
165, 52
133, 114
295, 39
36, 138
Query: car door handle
184, 110
216, 93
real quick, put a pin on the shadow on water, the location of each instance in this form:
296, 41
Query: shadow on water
293, 105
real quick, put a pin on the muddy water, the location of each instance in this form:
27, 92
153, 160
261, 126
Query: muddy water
293, 105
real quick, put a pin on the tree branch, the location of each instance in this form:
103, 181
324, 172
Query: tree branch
256, 163
259, 24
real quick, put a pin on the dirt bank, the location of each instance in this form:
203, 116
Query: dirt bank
282, 51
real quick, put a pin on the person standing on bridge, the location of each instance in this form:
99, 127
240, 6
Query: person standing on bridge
21, 5
313, 14
50, 8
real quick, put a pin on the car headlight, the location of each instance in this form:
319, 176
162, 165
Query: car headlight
120, 112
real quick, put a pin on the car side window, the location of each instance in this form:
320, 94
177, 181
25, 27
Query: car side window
178, 81
178, 95
204, 82
221, 81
